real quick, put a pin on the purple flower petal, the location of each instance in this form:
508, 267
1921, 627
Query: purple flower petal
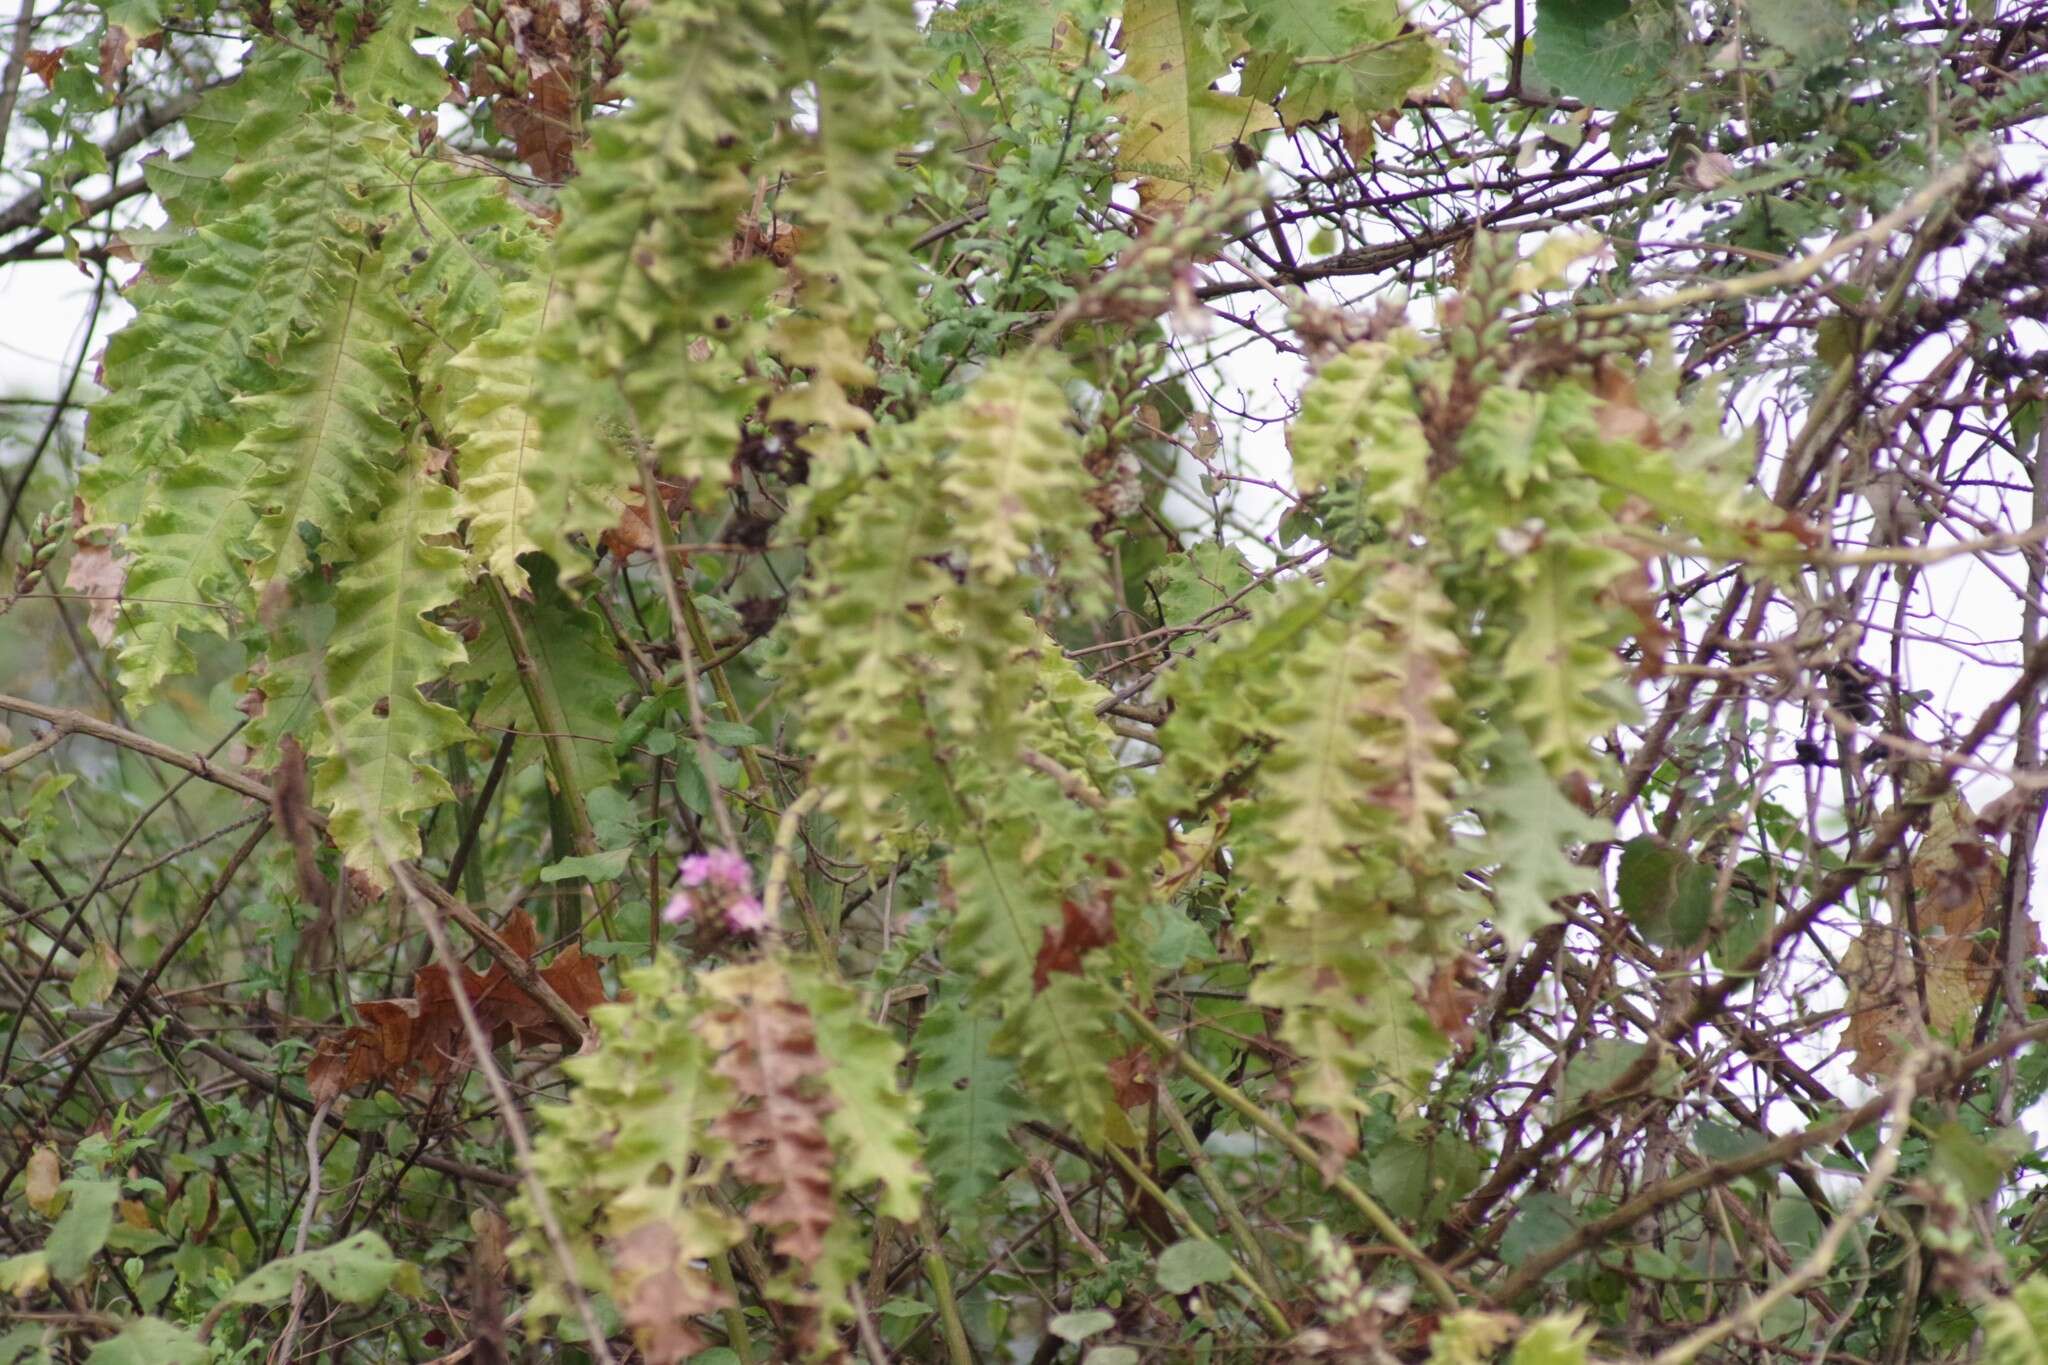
746, 915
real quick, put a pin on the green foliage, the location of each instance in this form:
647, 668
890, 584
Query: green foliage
516, 498
1077, 815
969, 1098
2016, 1326
381, 650
358, 1270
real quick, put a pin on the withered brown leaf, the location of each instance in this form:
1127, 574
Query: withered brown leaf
769, 1051
406, 1038
1086, 923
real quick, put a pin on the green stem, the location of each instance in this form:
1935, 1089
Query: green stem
1382, 1223
700, 642
779, 874
553, 724
1233, 1216
954, 1330
1268, 1310
547, 715
735, 1316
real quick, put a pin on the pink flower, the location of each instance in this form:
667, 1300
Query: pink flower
720, 882
746, 915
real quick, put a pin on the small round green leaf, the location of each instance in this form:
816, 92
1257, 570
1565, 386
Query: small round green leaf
1080, 1326
1184, 1265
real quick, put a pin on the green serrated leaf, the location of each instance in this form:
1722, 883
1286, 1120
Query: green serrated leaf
873, 1126
969, 1099
381, 733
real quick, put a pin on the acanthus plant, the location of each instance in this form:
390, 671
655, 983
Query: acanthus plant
734, 540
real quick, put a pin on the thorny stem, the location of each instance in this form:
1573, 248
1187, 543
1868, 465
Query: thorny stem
941, 1279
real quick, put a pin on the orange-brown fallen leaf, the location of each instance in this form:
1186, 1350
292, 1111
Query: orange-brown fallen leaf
406, 1038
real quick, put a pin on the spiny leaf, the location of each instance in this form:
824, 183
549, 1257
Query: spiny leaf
1560, 663
1358, 421
1529, 828
873, 1123
516, 497
970, 1103
661, 315
768, 1052
1064, 1041
320, 440
381, 734
634, 1158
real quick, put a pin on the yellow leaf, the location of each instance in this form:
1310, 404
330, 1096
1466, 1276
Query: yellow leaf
98, 970
45, 1175
1176, 129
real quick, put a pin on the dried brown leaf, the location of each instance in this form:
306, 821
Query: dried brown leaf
1134, 1075
117, 49
664, 1294
403, 1039
1086, 923
96, 574
1885, 1018
1454, 991
542, 125
45, 61
769, 1052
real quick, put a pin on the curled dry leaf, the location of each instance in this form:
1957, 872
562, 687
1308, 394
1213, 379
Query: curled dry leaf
97, 575
1455, 990
1958, 875
403, 1039
1711, 170
1135, 1077
44, 1176
44, 61
117, 49
1956, 882
1085, 923
633, 533
1884, 1005
542, 125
